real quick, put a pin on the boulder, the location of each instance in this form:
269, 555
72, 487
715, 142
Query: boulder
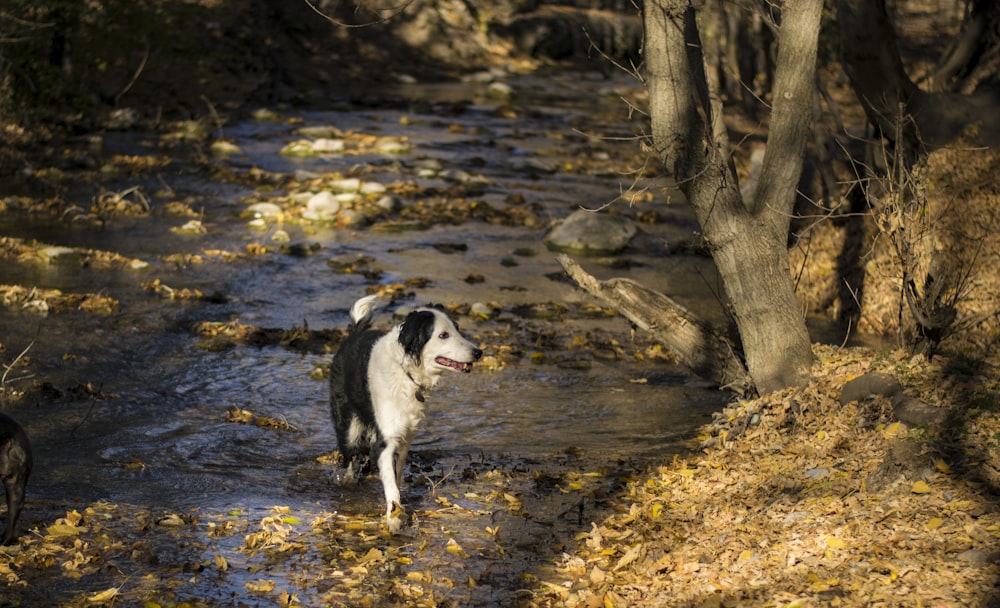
592, 233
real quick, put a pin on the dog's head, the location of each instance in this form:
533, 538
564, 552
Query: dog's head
432, 340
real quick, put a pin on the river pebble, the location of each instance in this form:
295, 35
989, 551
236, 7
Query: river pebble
265, 211
350, 218
320, 132
326, 145
351, 184
481, 310
389, 203
224, 148
304, 175
322, 206
392, 145
499, 89
372, 188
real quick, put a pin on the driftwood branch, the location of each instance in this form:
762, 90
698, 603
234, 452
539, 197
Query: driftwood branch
697, 345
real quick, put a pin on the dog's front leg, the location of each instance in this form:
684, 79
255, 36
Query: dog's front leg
390, 484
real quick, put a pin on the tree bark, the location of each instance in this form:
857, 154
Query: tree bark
748, 240
697, 345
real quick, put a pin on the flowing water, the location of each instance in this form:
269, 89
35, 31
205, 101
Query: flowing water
151, 427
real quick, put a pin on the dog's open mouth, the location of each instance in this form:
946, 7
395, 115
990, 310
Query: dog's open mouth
455, 365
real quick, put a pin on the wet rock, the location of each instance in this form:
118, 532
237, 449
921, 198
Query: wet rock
590, 233
302, 175
322, 206
480, 310
500, 89
868, 386
350, 218
265, 211
484, 77
389, 203
301, 147
351, 184
191, 227
320, 132
428, 167
372, 188
266, 114
224, 148
326, 145
532, 166
392, 145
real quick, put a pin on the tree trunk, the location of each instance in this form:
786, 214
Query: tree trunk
748, 240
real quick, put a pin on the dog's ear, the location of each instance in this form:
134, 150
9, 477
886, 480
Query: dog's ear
416, 332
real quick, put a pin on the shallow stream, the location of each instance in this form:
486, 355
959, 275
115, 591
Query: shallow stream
130, 407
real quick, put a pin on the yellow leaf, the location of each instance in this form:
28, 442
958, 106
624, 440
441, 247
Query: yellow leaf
920, 487
941, 466
103, 596
835, 543
221, 563
575, 485
260, 585
373, 555
892, 430
656, 510
454, 547
290, 519
64, 530
934, 523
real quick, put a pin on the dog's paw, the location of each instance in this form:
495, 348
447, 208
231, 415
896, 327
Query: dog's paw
395, 518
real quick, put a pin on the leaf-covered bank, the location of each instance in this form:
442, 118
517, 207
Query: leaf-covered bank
798, 500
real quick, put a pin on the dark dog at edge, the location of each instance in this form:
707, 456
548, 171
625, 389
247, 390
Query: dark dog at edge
15, 467
379, 382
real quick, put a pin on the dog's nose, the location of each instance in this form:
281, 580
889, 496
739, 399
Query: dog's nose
477, 354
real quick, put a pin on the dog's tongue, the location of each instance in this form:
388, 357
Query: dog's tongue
455, 365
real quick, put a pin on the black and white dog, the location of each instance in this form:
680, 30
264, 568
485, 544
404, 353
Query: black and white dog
378, 385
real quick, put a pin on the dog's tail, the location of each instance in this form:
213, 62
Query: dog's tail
361, 314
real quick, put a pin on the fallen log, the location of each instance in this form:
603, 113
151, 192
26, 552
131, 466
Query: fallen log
697, 345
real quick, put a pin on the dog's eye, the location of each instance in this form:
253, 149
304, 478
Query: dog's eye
444, 335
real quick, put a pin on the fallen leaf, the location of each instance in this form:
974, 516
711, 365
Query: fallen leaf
103, 596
